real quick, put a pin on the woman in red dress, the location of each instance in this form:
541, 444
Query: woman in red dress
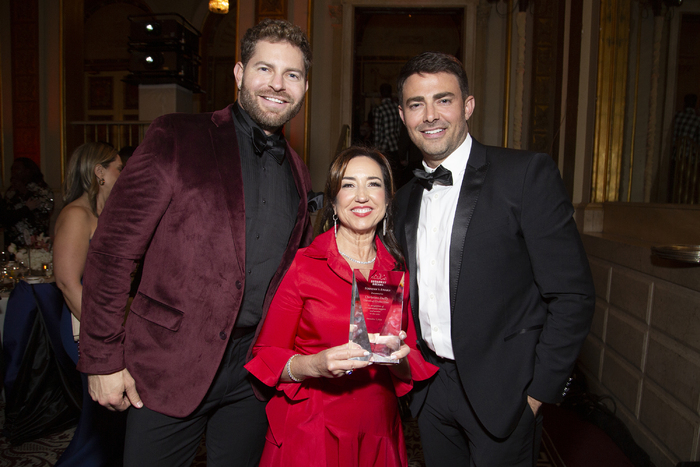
329, 410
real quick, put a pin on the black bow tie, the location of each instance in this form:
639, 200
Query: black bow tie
272, 145
441, 175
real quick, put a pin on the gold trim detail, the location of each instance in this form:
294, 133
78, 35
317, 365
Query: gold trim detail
634, 109
613, 51
307, 104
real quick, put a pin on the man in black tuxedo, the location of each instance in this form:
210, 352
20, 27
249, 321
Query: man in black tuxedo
501, 289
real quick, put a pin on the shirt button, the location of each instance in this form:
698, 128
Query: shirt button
432, 296
433, 262
222, 335
436, 196
250, 271
239, 285
257, 236
264, 201
436, 329
434, 229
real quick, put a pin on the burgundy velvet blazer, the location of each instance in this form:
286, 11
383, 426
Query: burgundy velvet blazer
180, 203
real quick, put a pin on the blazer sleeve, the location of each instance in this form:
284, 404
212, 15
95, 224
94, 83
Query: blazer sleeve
130, 217
561, 273
275, 344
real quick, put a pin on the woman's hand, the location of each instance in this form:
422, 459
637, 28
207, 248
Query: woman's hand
401, 369
403, 351
335, 362
330, 363
399, 355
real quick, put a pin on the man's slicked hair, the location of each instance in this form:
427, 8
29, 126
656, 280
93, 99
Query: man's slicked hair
431, 63
276, 30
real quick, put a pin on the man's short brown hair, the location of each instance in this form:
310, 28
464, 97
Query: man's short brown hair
276, 30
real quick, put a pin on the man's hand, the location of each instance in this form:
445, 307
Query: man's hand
116, 392
534, 405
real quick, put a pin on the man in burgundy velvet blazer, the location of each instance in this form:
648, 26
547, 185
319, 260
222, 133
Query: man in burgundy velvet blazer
216, 204
501, 291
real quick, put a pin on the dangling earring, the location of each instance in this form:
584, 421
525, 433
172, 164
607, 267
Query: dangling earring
384, 228
101, 181
335, 224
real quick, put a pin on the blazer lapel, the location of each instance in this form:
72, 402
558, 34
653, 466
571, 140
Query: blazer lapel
474, 178
225, 147
411, 231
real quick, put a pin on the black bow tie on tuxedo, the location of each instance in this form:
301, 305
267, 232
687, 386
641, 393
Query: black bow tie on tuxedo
270, 144
441, 175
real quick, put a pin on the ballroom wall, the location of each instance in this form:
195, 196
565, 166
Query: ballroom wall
644, 309
644, 345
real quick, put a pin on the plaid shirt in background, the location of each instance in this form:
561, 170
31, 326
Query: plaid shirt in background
387, 124
686, 124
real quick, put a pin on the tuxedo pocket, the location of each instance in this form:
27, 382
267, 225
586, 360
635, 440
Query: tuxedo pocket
156, 312
523, 331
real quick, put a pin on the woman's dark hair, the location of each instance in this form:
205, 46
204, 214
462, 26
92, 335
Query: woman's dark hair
126, 152
32, 170
334, 182
81, 176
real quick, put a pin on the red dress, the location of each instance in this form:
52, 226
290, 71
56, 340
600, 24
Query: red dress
348, 421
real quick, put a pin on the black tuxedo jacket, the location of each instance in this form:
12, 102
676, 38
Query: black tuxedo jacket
521, 291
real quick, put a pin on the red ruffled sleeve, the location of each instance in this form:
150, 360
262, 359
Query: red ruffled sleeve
275, 344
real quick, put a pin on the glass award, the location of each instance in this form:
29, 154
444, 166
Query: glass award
376, 309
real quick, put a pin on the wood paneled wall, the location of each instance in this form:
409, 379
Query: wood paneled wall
25, 78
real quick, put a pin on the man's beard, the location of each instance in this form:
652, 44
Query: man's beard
267, 120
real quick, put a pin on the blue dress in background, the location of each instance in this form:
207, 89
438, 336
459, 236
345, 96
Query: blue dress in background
99, 438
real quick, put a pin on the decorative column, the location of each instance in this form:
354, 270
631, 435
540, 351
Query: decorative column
506, 74
476, 82
521, 22
613, 52
653, 102
25, 79
160, 99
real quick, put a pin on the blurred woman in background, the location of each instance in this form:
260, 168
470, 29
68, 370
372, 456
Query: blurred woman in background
92, 171
28, 203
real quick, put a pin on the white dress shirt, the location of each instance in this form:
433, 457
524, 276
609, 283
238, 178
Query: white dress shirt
437, 214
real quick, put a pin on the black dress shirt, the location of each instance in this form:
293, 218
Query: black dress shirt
271, 205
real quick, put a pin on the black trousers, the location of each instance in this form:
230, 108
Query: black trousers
233, 418
452, 435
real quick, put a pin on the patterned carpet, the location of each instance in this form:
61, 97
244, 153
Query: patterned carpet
39, 453
45, 451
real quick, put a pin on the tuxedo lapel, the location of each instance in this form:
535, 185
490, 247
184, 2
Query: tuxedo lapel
225, 148
411, 231
474, 178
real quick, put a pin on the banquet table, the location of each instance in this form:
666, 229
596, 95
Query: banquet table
4, 296
42, 386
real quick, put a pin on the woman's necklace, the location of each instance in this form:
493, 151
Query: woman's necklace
356, 260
